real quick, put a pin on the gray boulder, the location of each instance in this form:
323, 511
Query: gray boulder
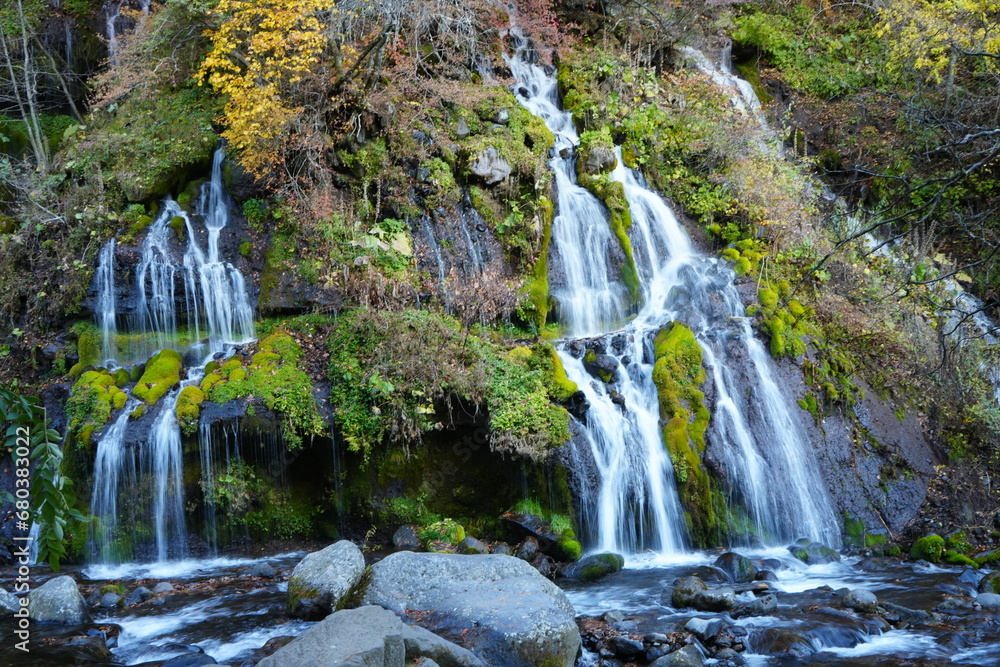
600, 159
813, 553
716, 599
739, 569
163, 587
989, 584
472, 546
140, 594
489, 166
263, 570
688, 656
9, 603
58, 601
686, 589
626, 648
988, 600
762, 606
861, 600
499, 607
592, 567
323, 578
421, 643
704, 628
109, 600
366, 637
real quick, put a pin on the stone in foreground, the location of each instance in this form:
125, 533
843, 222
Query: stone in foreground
499, 607
323, 578
58, 601
366, 637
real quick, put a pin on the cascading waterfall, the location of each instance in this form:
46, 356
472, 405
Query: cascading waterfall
774, 474
106, 303
214, 293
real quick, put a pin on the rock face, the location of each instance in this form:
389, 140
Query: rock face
321, 580
366, 637
490, 167
58, 601
499, 607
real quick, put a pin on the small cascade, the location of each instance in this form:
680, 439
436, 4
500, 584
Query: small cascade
114, 22
106, 303
217, 313
774, 476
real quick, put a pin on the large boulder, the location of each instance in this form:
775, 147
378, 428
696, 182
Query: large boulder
739, 569
422, 643
9, 603
592, 567
686, 589
499, 607
323, 578
813, 553
366, 637
58, 601
687, 656
861, 600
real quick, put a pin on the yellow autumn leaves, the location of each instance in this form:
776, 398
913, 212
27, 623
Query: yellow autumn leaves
930, 35
261, 50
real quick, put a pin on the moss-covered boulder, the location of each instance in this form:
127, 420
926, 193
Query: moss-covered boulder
593, 567
162, 373
813, 553
929, 548
93, 398
323, 579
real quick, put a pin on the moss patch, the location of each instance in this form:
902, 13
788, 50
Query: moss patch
91, 402
929, 548
163, 371
188, 409
679, 375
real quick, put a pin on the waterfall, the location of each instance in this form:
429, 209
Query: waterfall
215, 298
106, 303
754, 429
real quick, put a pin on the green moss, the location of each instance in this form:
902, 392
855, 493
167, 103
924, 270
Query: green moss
929, 548
162, 372
955, 558
446, 530
178, 224
678, 375
273, 375
854, 531
538, 284
567, 548
93, 397
88, 344
558, 384
245, 248
612, 193
875, 539
957, 541
188, 409
139, 411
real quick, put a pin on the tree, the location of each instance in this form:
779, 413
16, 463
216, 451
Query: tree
18, 61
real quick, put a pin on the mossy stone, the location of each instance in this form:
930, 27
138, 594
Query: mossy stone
161, 374
188, 408
929, 548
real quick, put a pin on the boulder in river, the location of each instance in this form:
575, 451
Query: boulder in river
58, 601
988, 600
323, 578
813, 553
9, 603
861, 600
687, 656
989, 584
368, 636
499, 607
686, 589
422, 643
593, 567
739, 569
715, 599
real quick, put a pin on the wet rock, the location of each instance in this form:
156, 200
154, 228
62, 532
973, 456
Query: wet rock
501, 117
141, 594
772, 564
739, 569
730, 655
527, 549
955, 602
421, 643
58, 601
988, 600
716, 599
861, 600
593, 567
710, 574
686, 589
9, 603
813, 553
688, 656
190, 660
368, 636
604, 367
503, 609
705, 628
501, 548
407, 537
490, 167
989, 584
625, 648
762, 606
784, 643
599, 160
765, 575
94, 647
109, 601
899, 614
627, 627
94, 598
163, 587
656, 638
472, 546
263, 570
545, 565
613, 616
323, 578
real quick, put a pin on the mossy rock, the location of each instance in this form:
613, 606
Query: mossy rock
188, 408
955, 558
567, 548
139, 411
178, 224
122, 377
88, 344
445, 531
929, 548
162, 373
